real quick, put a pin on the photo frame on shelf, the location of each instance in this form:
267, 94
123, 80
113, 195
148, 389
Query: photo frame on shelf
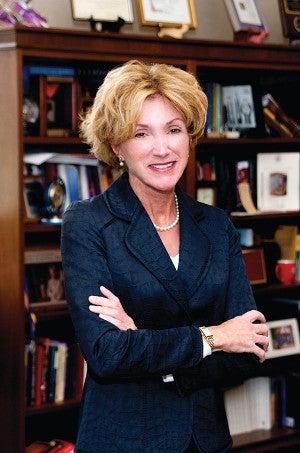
166, 13
245, 16
33, 198
284, 338
278, 181
255, 265
290, 18
207, 195
104, 10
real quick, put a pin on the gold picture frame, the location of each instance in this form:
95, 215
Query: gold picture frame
167, 13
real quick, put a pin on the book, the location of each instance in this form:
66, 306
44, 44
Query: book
69, 174
248, 406
290, 18
245, 16
290, 407
278, 182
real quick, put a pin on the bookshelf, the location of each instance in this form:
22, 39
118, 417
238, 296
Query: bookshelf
91, 54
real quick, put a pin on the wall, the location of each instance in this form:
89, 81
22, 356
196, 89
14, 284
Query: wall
213, 22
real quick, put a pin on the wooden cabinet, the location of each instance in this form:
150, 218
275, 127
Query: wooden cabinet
91, 54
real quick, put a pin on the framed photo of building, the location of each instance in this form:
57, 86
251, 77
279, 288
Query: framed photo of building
167, 13
284, 338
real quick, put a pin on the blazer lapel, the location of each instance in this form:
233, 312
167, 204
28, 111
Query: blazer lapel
143, 241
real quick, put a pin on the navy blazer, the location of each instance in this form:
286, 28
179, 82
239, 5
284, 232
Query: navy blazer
126, 407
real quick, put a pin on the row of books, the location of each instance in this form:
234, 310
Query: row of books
54, 371
81, 176
206, 168
263, 403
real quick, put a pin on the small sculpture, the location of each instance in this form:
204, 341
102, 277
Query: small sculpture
103, 25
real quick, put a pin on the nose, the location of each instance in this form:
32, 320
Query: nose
160, 144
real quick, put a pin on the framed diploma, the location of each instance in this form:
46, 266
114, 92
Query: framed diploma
102, 10
167, 13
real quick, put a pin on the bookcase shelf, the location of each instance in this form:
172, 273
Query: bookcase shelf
266, 66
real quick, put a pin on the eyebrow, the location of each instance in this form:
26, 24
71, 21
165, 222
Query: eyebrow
169, 122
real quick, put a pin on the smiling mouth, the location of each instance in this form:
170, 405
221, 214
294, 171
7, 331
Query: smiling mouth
162, 166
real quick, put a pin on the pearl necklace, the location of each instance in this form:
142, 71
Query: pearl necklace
169, 227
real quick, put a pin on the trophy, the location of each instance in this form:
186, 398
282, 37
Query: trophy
55, 199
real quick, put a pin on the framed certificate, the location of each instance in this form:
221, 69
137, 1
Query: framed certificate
167, 13
102, 10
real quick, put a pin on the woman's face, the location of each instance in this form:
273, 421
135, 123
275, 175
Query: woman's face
158, 153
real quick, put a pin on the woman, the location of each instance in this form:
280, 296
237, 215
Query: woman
145, 268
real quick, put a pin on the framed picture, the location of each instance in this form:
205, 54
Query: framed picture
45, 282
102, 10
167, 13
33, 197
278, 181
284, 338
255, 265
290, 18
207, 195
245, 16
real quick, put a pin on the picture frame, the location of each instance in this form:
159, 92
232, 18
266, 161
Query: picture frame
207, 195
245, 16
284, 338
102, 10
290, 18
278, 181
33, 194
255, 265
167, 13
45, 282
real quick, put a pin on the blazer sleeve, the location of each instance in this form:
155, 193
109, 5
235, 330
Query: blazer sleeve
217, 370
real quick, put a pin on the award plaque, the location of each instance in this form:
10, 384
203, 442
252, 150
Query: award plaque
55, 199
290, 18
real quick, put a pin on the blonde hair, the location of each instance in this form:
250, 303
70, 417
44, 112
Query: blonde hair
119, 100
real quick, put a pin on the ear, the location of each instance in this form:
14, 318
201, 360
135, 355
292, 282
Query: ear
116, 150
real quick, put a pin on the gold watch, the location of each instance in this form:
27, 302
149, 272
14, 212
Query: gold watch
208, 336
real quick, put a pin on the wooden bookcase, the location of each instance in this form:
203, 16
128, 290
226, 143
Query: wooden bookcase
266, 66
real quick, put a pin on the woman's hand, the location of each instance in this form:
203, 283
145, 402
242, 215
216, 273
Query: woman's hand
245, 333
110, 308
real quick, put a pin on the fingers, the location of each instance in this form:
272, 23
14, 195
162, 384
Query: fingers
254, 316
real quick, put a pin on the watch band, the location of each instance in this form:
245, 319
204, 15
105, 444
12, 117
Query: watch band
208, 336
